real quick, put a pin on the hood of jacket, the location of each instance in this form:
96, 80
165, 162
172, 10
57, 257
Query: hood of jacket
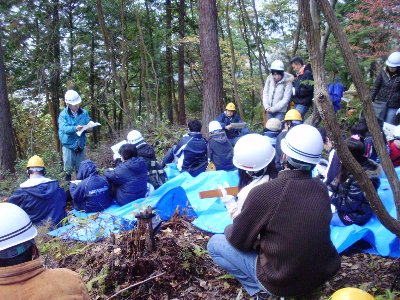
219, 137
372, 168
86, 169
147, 151
45, 191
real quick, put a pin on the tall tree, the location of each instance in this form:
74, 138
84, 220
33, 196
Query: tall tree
7, 145
168, 60
211, 61
181, 64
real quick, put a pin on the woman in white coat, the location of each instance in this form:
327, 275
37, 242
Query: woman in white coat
277, 91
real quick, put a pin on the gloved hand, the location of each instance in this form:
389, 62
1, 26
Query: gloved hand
226, 199
398, 111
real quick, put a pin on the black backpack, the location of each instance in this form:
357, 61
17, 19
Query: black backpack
156, 174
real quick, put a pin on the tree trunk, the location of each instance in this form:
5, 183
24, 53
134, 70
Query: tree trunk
211, 60
71, 36
326, 34
95, 132
7, 145
55, 71
326, 109
168, 58
181, 65
233, 60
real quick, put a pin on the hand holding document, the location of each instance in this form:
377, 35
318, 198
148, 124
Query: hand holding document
89, 125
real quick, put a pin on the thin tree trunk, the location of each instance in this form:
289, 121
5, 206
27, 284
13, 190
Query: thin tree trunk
168, 58
181, 65
327, 113
233, 60
95, 133
211, 60
7, 143
326, 34
71, 36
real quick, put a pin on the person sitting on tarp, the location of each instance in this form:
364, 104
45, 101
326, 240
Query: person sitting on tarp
220, 150
255, 167
361, 130
292, 118
156, 173
335, 91
41, 197
280, 243
129, 179
226, 119
394, 147
190, 154
333, 166
273, 128
22, 272
91, 192
352, 207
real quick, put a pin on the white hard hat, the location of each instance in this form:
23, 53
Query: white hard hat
15, 226
72, 97
303, 143
134, 137
277, 65
393, 60
253, 152
396, 132
213, 126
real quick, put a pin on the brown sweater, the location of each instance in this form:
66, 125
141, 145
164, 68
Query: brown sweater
291, 214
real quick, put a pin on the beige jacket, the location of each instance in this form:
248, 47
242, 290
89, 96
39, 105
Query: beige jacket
276, 95
31, 281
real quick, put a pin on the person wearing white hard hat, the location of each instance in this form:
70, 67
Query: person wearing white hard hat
277, 91
385, 94
280, 242
71, 120
22, 273
219, 149
253, 154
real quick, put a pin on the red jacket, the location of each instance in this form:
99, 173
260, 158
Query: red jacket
394, 154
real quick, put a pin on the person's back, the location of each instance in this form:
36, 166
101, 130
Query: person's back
220, 150
42, 198
22, 273
129, 178
93, 193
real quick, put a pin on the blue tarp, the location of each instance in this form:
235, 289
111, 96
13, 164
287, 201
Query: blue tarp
211, 215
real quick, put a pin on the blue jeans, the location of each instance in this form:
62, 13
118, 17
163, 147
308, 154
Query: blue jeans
240, 264
278, 115
391, 116
302, 109
72, 160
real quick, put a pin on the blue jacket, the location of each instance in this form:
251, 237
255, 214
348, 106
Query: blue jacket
191, 153
224, 120
67, 128
41, 202
220, 151
146, 151
129, 180
272, 136
349, 200
93, 193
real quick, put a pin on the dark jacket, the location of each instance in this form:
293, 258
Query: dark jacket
287, 221
272, 136
41, 202
146, 151
129, 180
278, 149
156, 174
220, 151
191, 153
387, 89
93, 193
303, 86
224, 120
349, 200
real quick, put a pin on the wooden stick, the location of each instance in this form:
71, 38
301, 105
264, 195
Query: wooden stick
234, 190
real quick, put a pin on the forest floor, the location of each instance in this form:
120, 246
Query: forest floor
180, 268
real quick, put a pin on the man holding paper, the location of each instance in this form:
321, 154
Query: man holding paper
70, 122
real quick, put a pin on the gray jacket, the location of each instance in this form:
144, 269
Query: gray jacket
277, 95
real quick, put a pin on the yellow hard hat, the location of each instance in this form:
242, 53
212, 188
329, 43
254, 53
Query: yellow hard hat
351, 293
35, 161
230, 106
293, 115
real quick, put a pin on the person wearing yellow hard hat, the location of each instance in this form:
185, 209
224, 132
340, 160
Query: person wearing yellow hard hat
228, 119
350, 293
292, 118
42, 198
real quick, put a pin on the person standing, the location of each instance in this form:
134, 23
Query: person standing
303, 86
71, 120
280, 244
22, 273
277, 91
386, 91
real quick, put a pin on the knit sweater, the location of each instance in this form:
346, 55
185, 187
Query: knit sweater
291, 216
